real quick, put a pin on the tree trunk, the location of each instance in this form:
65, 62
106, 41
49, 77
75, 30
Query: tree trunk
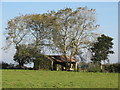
70, 62
66, 68
21, 64
19, 61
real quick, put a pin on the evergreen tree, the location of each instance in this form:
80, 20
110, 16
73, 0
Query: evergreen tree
102, 48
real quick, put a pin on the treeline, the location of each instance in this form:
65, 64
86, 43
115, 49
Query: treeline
83, 67
91, 67
64, 32
5, 65
112, 67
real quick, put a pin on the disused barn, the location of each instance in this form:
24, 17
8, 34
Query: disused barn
57, 62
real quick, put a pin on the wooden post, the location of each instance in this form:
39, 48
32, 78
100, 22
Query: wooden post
52, 65
57, 67
75, 66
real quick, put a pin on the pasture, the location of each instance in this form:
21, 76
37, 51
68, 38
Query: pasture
57, 79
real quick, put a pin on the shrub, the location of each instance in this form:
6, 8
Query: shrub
112, 67
42, 63
94, 69
5, 65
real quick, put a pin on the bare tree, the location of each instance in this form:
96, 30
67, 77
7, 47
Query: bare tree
15, 31
76, 30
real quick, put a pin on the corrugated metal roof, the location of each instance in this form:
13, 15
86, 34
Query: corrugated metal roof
58, 58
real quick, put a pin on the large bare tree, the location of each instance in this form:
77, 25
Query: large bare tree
76, 30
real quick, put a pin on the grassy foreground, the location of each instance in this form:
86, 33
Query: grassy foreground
57, 79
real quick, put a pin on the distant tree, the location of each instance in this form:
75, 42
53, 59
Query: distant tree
16, 35
112, 67
16, 32
25, 54
39, 25
28, 29
28, 54
5, 65
102, 48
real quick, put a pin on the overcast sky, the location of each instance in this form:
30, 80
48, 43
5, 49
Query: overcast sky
106, 13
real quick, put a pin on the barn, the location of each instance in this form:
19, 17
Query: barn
57, 62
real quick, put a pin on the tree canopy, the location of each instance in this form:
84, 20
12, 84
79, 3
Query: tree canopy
102, 48
66, 31
77, 30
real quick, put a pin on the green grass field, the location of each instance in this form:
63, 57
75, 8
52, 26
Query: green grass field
57, 79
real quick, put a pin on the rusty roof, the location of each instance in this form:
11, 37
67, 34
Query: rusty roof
59, 58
